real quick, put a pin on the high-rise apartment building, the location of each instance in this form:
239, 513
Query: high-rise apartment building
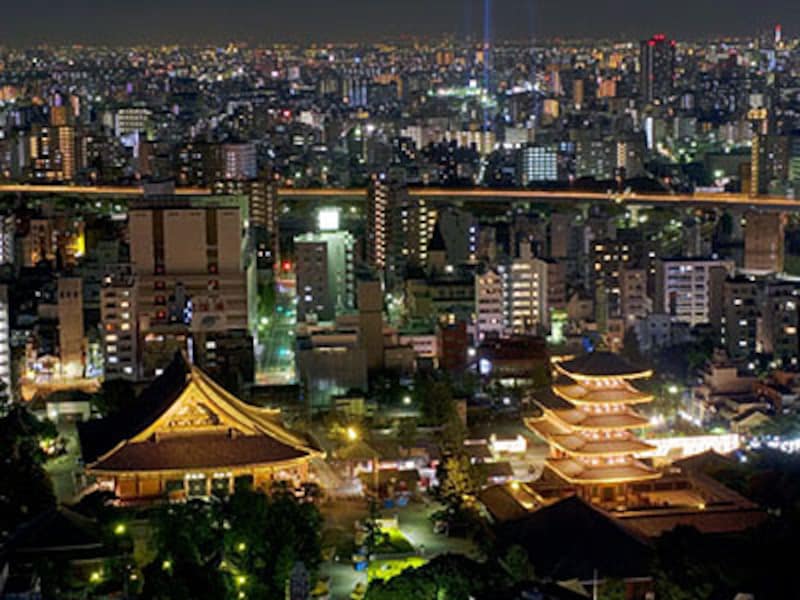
740, 317
489, 305
538, 163
118, 318
131, 119
684, 288
71, 339
8, 230
780, 320
5, 338
634, 301
192, 280
525, 290
764, 242
324, 267
263, 211
239, 161
399, 228
656, 68
379, 195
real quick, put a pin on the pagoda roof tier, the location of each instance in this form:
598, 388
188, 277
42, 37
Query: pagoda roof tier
601, 365
576, 393
576, 444
185, 420
577, 472
579, 418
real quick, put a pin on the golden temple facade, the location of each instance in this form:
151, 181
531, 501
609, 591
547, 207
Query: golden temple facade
186, 436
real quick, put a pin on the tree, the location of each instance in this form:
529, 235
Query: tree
630, 347
114, 396
248, 543
517, 564
407, 432
458, 482
612, 589
446, 577
435, 399
454, 432
25, 487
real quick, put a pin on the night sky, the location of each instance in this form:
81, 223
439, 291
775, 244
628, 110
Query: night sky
199, 21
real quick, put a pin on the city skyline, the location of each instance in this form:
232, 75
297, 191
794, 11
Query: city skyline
203, 21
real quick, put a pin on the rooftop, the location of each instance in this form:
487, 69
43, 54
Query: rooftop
601, 364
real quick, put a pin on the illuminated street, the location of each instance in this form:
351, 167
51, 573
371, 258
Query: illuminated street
275, 337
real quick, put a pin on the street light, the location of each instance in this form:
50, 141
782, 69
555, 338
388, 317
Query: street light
406, 400
352, 434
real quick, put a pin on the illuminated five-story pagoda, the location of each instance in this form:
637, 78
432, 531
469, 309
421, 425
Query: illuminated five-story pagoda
588, 419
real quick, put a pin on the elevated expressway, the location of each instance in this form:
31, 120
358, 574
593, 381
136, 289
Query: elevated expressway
433, 193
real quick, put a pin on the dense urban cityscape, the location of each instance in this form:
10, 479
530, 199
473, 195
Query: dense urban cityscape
444, 318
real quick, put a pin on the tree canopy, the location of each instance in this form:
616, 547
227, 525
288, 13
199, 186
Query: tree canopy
25, 487
246, 543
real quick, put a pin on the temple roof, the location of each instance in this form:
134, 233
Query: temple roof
577, 443
577, 418
601, 364
98, 436
576, 471
185, 420
572, 539
58, 531
201, 451
576, 393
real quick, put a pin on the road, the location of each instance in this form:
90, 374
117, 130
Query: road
415, 524
64, 469
275, 338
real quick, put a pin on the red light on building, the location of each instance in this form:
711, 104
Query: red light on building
287, 266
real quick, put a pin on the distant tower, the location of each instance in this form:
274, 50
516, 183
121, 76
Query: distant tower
657, 68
